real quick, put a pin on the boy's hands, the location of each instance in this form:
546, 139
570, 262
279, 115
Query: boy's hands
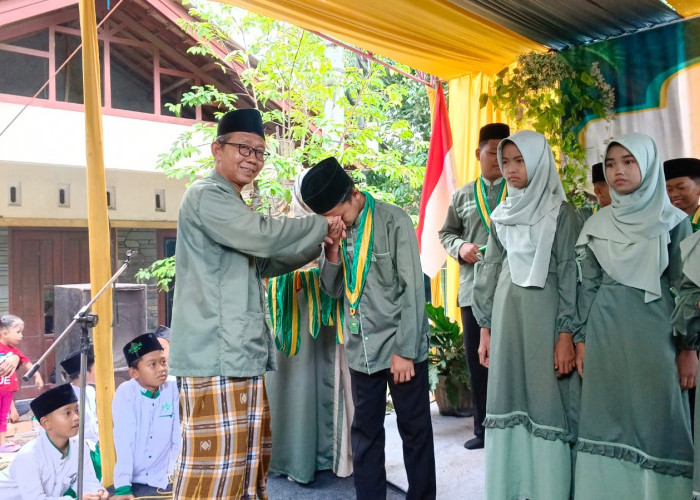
564, 355
336, 231
469, 253
402, 369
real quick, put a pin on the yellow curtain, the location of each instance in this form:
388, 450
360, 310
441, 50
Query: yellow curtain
434, 36
686, 8
466, 118
98, 229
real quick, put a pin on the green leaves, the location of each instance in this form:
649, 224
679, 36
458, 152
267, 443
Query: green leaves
446, 355
544, 92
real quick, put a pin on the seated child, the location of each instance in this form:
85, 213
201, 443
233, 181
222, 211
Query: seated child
71, 365
47, 467
146, 418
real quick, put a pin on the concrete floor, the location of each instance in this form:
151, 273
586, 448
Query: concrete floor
459, 472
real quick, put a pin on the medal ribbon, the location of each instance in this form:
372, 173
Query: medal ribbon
285, 313
695, 220
482, 201
355, 274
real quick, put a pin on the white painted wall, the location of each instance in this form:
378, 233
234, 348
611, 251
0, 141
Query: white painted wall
135, 193
48, 136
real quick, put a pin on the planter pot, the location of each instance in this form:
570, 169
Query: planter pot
463, 406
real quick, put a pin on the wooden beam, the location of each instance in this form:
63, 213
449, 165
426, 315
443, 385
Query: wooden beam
12, 11
29, 26
173, 53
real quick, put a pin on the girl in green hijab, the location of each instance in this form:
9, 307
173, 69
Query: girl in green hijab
634, 430
524, 300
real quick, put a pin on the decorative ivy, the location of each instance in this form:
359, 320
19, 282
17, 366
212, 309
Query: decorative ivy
544, 92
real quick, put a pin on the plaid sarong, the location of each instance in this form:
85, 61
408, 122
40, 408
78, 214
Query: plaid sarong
226, 439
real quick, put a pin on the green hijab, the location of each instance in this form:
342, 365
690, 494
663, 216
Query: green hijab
630, 237
526, 220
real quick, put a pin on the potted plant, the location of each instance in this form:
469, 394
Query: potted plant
449, 379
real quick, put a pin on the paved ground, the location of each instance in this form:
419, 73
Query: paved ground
460, 472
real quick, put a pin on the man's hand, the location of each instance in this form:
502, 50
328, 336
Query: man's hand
9, 364
485, 347
580, 353
402, 369
564, 355
687, 362
469, 253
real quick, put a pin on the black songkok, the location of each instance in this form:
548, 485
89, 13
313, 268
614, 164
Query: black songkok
325, 185
597, 174
162, 332
493, 131
52, 400
241, 120
682, 167
71, 363
140, 346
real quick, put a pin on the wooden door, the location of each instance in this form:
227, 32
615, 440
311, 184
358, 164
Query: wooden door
39, 259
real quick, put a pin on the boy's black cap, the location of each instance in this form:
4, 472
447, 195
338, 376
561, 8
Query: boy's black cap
324, 185
493, 131
140, 346
681, 167
241, 120
162, 332
52, 400
71, 363
597, 174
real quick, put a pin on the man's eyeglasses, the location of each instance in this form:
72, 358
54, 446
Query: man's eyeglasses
246, 150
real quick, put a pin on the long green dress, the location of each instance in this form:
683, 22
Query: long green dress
310, 406
634, 431
686, 322
530, 413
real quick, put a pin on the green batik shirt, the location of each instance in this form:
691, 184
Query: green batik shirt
463, 225
391, 312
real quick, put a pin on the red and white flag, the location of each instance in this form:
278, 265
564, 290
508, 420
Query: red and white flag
437, 190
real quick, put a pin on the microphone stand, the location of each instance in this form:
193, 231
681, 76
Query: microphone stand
87, 320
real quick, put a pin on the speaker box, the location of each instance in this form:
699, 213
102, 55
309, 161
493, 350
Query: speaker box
128, 315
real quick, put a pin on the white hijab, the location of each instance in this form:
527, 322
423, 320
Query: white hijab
527, 219
630, 237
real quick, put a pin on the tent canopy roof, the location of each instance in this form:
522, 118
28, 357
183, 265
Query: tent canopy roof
452, 38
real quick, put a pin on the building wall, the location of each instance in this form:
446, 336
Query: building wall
144, 242
134, 194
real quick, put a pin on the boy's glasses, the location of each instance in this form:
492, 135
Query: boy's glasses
246, 150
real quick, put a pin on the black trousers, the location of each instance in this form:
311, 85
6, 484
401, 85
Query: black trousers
478, 374
412, 405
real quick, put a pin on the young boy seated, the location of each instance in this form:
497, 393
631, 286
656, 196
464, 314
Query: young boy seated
71, 365
47, 467
146, 418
